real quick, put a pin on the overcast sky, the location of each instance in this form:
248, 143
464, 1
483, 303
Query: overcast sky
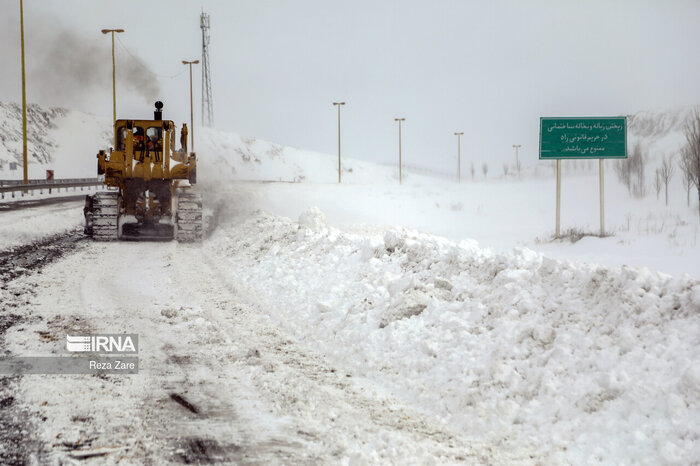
488, 68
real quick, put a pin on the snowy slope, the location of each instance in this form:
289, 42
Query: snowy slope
59, 139
659, 133
233, 157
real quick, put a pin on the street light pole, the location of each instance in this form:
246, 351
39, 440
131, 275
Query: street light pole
114, 75
24, 100
517, 162
400, 120
190, 63
338, 104
459, 156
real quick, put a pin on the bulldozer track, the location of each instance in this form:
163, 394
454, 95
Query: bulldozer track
105, 214
189, 217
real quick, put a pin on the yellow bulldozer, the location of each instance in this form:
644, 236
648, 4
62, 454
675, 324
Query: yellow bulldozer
150, 186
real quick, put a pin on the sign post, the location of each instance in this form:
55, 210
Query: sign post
583, 138
557, 230
602, 197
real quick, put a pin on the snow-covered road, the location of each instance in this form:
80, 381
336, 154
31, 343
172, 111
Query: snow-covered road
217, 381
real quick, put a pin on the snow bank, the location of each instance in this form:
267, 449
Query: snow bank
589, 364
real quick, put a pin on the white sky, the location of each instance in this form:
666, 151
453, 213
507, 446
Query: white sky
488, 68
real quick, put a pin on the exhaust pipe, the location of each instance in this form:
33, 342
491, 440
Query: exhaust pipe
158, 113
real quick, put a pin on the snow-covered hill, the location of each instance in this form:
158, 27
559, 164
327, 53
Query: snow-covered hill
59, 139
233, 157
659, 133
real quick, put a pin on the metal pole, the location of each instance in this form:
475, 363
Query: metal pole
602, 197
400, 175
400, 163
191, 110
24, 99
338, 104
558, 230
114, 85
114, 81
459, 156
190, 63
517, 162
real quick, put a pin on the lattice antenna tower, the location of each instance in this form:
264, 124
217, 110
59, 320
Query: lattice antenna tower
207, 103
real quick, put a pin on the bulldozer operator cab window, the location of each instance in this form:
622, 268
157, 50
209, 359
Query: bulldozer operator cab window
138, 138
154, 135
121, 138
154, 142
148, 142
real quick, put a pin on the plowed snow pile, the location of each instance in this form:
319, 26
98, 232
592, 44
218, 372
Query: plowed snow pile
587, 363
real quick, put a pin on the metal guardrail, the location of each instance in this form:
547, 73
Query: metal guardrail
40, 181
13, 186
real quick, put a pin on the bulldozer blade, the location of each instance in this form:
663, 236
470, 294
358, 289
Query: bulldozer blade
147, 232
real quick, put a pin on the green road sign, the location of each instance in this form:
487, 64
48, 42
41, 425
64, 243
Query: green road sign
583, 138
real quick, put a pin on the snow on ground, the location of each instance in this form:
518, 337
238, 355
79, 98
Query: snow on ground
499, 212
25, 226
219, 381
591, 364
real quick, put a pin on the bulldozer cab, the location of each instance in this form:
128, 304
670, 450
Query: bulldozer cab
142, 134
147, 138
